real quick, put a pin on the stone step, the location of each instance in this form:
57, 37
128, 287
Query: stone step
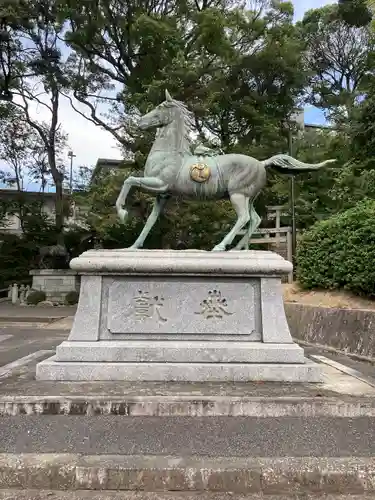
340, 395
144, 495
196, 405
51, 369
268, 476
179, 351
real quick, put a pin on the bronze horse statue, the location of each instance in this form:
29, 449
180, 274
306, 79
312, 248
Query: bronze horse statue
173, 169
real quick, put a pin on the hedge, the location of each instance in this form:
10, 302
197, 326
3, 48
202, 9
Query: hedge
339, 253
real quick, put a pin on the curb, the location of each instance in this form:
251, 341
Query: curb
144, 495
30, 319
327, 348
162, 406
160, 473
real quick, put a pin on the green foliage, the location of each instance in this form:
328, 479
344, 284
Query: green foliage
356, 179
362, 128
36, 296
355, 12
313, 196
38, 79
353, 184
239, 68
71, 298
340, 252
18, 256
339, 57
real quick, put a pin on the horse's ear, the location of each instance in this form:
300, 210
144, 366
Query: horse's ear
168, 96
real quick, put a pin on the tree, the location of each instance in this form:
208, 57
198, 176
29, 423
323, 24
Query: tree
238, 68
23, 153
246, 103
8, 49
355, 12
339, 57
39, 80
21, 149
357, 179
313, 196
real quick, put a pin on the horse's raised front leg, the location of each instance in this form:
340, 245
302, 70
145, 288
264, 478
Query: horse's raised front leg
153, 217
240, 203
151, 184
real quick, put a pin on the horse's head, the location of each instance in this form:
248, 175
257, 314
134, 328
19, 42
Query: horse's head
160, 116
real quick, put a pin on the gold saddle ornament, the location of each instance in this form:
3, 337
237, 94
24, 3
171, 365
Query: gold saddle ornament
200, 172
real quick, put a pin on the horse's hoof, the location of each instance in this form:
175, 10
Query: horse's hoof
218, 248
122, 214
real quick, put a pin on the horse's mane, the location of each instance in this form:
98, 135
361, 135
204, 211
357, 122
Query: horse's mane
188, 117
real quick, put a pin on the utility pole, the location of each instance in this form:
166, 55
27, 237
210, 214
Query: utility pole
71, 155
292, 198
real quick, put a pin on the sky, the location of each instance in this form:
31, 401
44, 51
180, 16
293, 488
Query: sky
89, 142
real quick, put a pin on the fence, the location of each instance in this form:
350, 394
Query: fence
5, 294
276, 238
15, 293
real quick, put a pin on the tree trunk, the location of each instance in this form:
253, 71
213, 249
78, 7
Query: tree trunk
58, 178
59, 206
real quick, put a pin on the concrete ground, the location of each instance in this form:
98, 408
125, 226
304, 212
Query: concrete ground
144, 495
186, 436
161, 418
10, 313
328, 420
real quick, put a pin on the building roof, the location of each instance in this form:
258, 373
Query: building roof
12, 193
105, 165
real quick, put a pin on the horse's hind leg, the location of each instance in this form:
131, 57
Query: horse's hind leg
254, 223
240, 203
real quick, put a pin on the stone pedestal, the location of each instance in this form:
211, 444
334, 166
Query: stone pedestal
162, 315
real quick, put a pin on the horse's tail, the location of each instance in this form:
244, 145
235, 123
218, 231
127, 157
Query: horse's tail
285, 164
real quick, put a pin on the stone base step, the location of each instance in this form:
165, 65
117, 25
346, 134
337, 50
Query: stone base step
51, 369
195, 405
183, 351
268, 476
144, 495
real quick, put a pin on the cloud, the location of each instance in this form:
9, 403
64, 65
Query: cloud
89, 142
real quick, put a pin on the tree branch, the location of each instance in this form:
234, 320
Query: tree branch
93, 118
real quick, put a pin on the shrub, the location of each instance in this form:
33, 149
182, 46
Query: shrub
71, 298
340, 252
36, 296
17, 258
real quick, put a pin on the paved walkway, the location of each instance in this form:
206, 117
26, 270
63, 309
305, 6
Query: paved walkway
10, 312
15, 342
185, 436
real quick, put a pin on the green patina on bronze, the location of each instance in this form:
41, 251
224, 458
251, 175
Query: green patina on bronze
168, 171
